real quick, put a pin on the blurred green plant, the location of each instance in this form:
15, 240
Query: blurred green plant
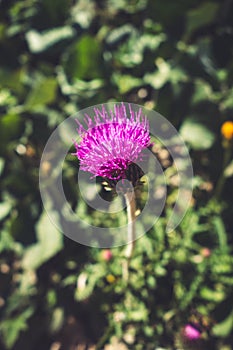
58, 57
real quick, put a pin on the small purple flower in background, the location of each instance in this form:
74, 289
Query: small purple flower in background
196, 333
190, 337
191, 332
112, 142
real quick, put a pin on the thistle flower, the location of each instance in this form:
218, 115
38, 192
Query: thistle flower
112, 142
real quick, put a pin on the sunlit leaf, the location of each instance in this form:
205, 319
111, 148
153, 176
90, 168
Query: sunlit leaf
159, 77
228, 101
43, 93
6, 241
131, 6
11, 328
132, 44
228, 172
83, 13
224, 328
120, 34
197, 135
83, 60
57, 320
39, 42
5, 208
212, 295
50, 242
126, 83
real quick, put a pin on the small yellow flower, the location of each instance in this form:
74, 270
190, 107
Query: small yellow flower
110, 278
227, 130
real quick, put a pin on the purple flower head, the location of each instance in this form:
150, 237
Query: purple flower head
112, 142
191, 332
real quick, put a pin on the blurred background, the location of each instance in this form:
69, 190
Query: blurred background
57, 57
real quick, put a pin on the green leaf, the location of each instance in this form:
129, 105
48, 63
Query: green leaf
228, 172
83, 60
57, 320
212, 295
54, 11
50, 242
126, 83
197, 135
6, 98
39, 42
131, 52
128, 6
2, 163
11, 328
6, 241
87, 281
139, 313
161, 76
221, 232
43, 93
69, 280
203, 91
5, 208
119, 34
10, 129
78, 87
224, 328
228, 101
165, 73
11, 79
51, 298
83, 13
201, 16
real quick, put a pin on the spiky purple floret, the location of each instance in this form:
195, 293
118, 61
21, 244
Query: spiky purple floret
112, 141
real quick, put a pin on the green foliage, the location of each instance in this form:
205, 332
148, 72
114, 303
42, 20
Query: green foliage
49, 242
41, 42
193, 131
11, 328
201, 16
83, 59
58, 57
42, 93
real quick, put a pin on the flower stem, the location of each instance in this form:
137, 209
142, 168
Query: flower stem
131, 209
222, 178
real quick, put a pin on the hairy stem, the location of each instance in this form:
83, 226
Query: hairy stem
131, 209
